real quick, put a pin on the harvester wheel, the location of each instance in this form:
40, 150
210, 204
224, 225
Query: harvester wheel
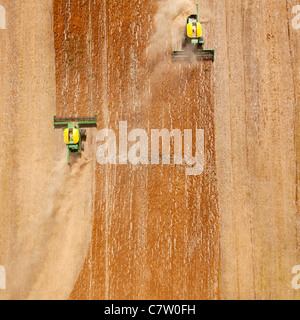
83, 134
200, 46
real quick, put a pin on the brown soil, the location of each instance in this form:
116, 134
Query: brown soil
152, 226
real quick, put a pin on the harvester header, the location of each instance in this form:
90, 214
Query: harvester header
79, 121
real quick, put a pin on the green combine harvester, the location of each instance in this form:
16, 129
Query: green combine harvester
73, 135
193, 42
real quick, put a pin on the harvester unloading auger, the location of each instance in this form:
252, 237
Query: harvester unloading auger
193, 42
73, 135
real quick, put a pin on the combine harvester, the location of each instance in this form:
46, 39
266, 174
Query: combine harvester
73, 135
193, 42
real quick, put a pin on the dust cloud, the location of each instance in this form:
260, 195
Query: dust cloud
167, 35
169, 22
44, 264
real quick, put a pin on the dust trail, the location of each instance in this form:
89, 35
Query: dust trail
169, 23
168, 35
46, 253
